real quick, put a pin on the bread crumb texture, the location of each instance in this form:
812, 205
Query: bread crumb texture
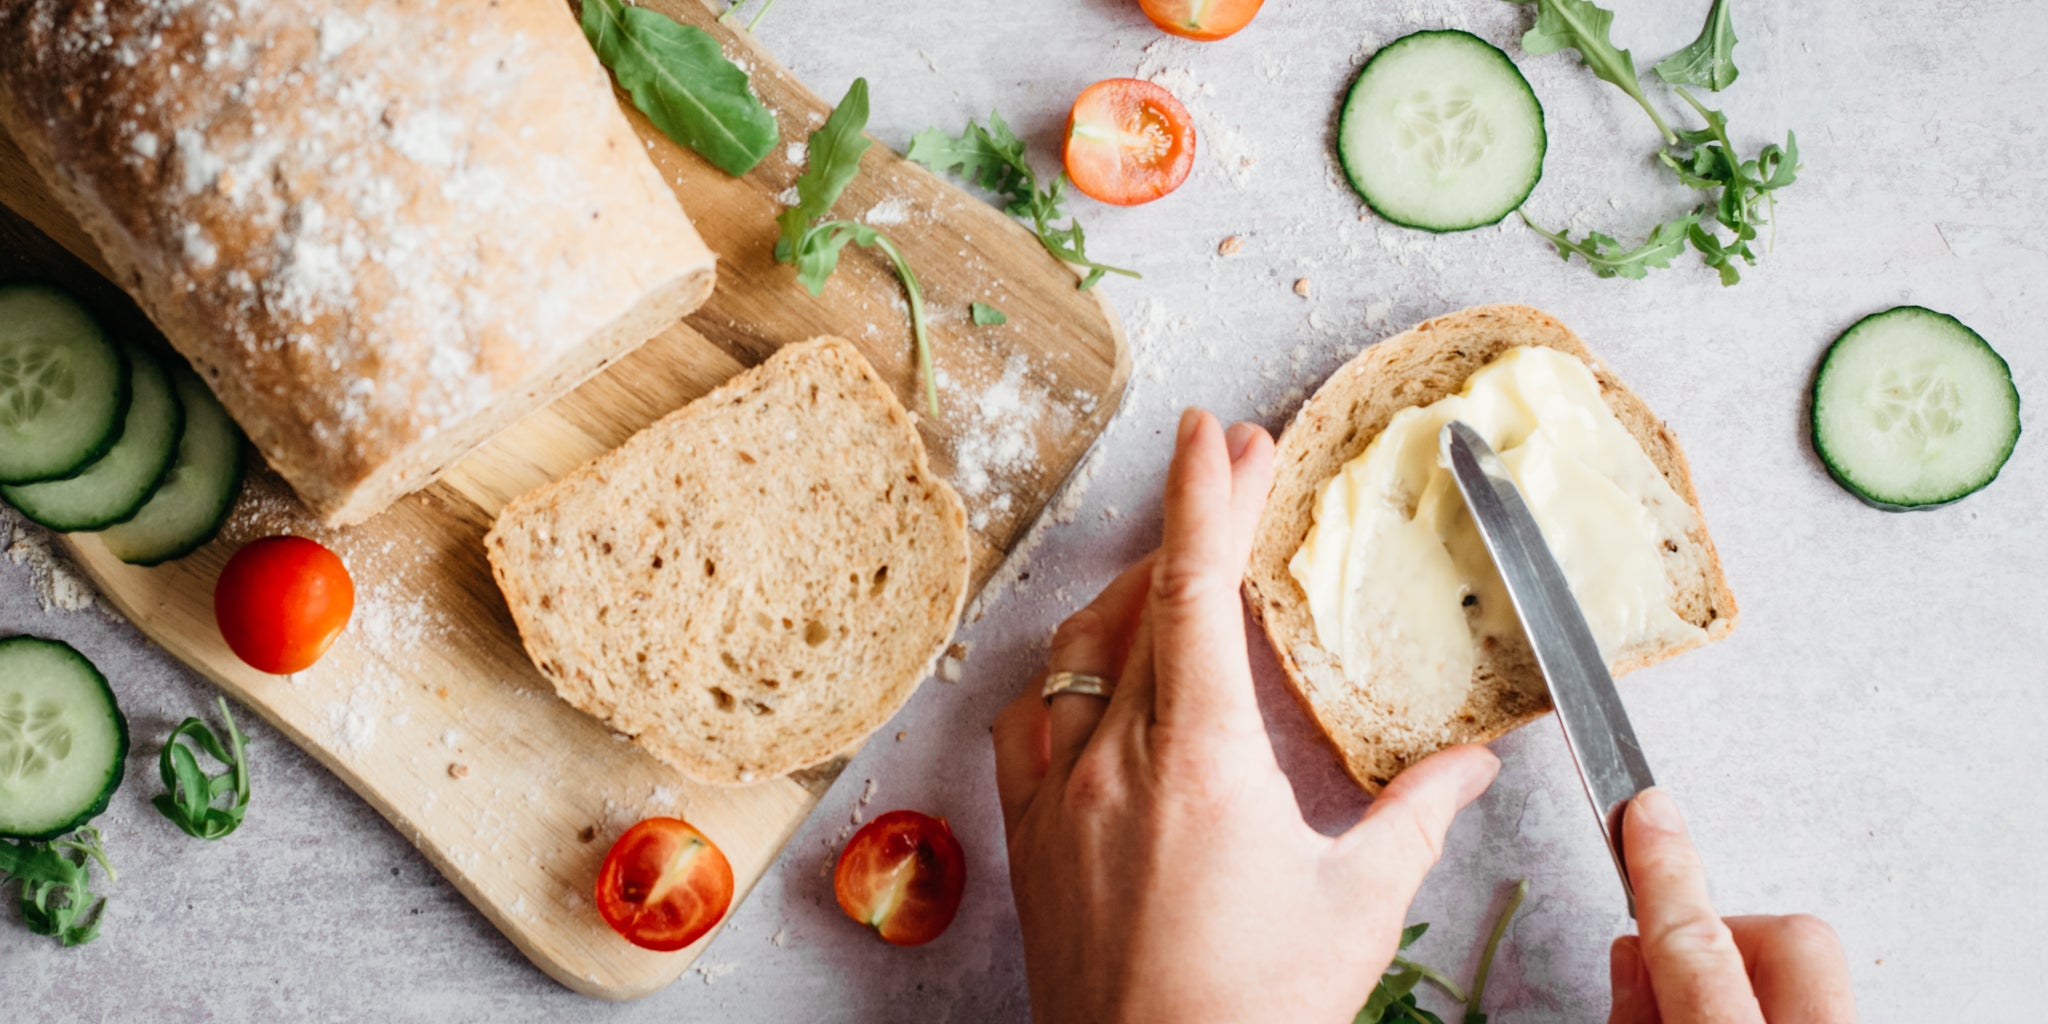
365, 224
751, 585
1374, 740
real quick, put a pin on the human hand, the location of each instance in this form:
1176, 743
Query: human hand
1692, 967
1160, 863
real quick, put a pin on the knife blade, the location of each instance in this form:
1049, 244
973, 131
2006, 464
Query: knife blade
1596, 727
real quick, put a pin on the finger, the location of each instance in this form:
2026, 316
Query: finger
1251, 477
1402, 834
1251, 470
1797, 968
1092, 641
1021, 755
1634, 1002
1691, 955
1201, 675
1130, 707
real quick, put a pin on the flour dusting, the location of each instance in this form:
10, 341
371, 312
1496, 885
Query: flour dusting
888, 212
58, 586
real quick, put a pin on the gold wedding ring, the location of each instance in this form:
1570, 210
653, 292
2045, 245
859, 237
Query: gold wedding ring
1075, 682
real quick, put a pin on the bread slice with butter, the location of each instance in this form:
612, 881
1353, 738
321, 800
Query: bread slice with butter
752, 584
1643, 564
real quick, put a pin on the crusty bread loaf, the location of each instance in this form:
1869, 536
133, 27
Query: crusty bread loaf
1338, 421
381, 230
754, 583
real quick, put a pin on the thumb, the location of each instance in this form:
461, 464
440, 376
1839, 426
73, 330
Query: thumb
1402, 834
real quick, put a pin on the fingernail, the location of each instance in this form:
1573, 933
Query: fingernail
1189, 420
1622, 968
1653, 808
1238, 438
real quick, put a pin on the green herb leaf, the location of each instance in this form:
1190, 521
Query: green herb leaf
1739, 194
834, 153
1709, 62
1410, 1011
1393, 999
991, 158
1500, 928
987, 316
1433, 976
1721, 257
814, 245
994, 159
189, 794
1609, 259
1582, 26
55, 876
681, 80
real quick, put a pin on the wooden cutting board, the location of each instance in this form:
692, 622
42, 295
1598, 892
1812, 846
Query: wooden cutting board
428, 706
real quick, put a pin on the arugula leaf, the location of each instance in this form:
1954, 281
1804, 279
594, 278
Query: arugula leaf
189, 794
1500, 928
1709, 62
987, 316
834, 153
993, 158
56, 894
1579, 25
814, 245
1743, 192
1393, 998
1393, 987
1409, 1011
1433, 976
680, 79
1609, 259
1739, 193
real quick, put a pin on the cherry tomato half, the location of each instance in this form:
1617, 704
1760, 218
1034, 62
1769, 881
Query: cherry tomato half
281, 601
663, 885
1128, 142
1206, 20
902, 875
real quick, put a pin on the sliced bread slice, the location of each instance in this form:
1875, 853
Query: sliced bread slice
1373, 738
754, 583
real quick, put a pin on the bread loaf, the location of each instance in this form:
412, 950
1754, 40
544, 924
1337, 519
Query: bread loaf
752, 584
1376, 740
381, 230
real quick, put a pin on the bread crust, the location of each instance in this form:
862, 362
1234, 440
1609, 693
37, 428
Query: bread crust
1418, 367
674, 680
381, 231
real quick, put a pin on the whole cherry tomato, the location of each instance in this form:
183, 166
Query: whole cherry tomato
281, 601
1206, 20
1128, 142
902, 875
663, 885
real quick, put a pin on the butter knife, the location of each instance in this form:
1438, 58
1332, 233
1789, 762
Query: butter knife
1596, 728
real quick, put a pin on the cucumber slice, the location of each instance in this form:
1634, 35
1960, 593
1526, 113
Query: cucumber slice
1441, 132
114, 488
1913, 410
194, 500
63, 386
63, 739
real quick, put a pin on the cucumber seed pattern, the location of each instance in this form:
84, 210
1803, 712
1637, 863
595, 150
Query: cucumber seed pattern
29, 379
1450, 132
1923, 403
33, 737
